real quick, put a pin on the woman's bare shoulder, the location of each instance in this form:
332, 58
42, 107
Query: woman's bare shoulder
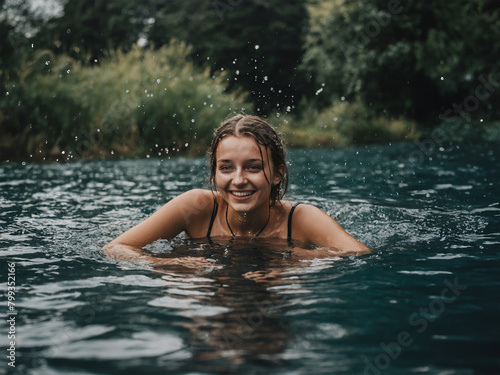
301, 209
319, 228
196, 200
198, 195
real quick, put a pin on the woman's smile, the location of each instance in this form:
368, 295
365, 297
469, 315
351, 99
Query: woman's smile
242, 194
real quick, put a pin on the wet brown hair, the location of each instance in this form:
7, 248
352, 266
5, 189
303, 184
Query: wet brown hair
264, 135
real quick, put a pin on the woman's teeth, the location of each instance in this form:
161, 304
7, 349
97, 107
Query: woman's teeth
242, 194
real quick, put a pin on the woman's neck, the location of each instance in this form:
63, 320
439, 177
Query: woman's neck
248, 224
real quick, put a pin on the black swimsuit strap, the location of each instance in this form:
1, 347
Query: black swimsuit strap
289, 237
212, 218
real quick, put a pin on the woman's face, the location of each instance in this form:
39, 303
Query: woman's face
239, 176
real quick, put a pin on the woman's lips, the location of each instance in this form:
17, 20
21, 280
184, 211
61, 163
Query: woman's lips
241, 195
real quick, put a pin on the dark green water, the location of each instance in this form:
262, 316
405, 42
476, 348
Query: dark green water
425, 302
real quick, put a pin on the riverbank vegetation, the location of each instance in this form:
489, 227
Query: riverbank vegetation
121, 78
141, 102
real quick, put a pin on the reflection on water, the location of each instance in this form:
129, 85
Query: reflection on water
424, 301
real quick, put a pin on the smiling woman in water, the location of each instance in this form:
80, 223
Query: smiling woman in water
248, 179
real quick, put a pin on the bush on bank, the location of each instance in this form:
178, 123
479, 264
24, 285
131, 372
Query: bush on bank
344, 123
133, 104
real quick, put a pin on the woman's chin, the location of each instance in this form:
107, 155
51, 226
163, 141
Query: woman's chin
241, 208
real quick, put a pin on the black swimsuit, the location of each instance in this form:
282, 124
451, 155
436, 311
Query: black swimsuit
216, 208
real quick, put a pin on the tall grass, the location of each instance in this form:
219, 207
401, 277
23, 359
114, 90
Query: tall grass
136, 103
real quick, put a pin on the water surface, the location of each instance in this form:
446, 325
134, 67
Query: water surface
426, 301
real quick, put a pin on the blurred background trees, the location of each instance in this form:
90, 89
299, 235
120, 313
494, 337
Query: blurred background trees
330, 71
410, 58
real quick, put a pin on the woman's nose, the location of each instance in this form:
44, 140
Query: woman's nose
239, 177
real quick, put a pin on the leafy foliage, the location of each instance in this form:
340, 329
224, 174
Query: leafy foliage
90, 29
259, 44
338, 71
132, 103
344, 123
411, 58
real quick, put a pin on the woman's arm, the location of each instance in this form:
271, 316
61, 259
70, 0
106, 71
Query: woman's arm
183, 213
312, 225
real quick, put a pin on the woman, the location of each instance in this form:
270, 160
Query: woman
248, 178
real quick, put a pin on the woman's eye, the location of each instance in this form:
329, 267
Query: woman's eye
224, 167
255, 167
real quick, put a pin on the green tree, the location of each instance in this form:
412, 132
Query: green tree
412, 58
89, 29
17, 23
258, 43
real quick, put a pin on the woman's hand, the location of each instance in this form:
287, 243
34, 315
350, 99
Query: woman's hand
133, 254
190, 262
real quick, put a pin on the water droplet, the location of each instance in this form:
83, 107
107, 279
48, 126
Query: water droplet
186, 144
158, 81
442, 78
319, 91
257, 46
